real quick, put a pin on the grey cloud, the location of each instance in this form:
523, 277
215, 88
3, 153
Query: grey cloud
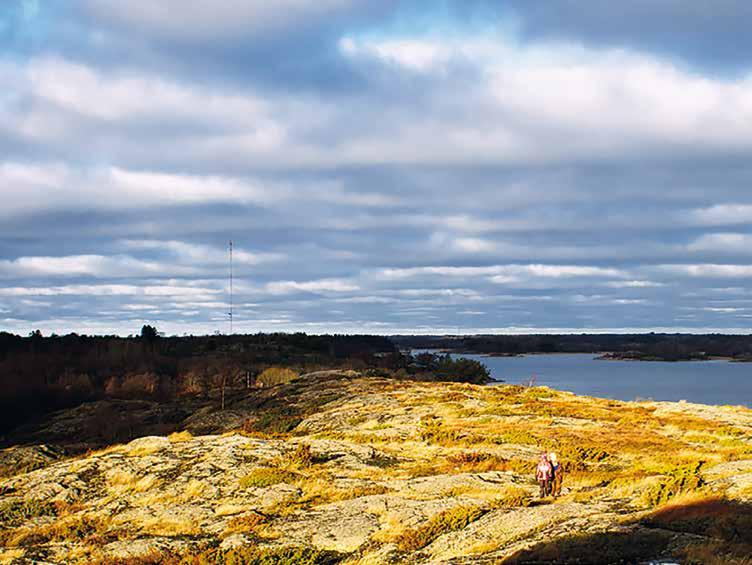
373, 178
707, 35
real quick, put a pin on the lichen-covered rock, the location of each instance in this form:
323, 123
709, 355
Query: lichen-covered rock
378, 471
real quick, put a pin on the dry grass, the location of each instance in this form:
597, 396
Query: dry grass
246, 523
10, 556
266, 477
82, 527
180, 437
170, 527
450, 520
276, 376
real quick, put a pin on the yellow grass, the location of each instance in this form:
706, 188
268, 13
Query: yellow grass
179, 437
170, 527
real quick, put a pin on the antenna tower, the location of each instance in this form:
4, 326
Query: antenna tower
230, 313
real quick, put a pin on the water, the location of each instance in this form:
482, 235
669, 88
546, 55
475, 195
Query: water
706, 382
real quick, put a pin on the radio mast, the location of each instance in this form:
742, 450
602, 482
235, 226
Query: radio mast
230, 313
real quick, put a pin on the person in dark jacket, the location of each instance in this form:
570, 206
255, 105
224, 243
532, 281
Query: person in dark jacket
557, 474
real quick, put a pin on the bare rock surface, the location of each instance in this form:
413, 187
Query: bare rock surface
376, 471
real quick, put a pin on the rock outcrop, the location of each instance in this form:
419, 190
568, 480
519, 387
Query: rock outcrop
380, 471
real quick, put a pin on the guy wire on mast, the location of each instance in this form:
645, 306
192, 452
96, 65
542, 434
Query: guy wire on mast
230, 313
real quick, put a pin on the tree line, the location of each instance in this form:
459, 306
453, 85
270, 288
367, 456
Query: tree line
40, 374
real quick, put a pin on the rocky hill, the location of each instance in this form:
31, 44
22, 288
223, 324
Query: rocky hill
335, 467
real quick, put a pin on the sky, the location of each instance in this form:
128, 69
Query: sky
455, 166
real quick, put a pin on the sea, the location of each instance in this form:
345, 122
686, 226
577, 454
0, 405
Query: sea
716, 382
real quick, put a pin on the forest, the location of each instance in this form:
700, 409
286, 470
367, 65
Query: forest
650, 346
41, 374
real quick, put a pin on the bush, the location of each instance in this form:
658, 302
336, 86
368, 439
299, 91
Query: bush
444, 368
266, 556
450, 520
681, 480
433, 430
18, 512
276, 376
302, 456
266, 477
272, 423
144, 385
513, 496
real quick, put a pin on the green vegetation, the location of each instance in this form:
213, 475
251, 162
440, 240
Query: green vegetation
450, 520
276, 376
19, 511
266, 477
654, 346
444, 368
681, 480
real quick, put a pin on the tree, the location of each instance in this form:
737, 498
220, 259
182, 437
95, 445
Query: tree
149, 333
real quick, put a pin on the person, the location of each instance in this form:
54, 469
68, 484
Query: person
543, 475
557, 474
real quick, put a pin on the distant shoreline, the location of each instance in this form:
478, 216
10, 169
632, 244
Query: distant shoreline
598, 356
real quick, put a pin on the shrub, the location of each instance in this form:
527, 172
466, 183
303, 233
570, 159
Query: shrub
512, 496
139, 386
18, 512
433, 430
266, 556
272, 423
450, 520
79, 527
266, 477
246, 523
275, 376
180, 437
302, 456
683, 479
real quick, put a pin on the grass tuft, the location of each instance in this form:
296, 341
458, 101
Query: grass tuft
266, 477
450, 520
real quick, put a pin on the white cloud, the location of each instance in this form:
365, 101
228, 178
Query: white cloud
723, 243
199, 254
634, 284
504, 273
148, 290
723, 214
474, 245
726, 310
40, 187
316, 286
709, 270
86, 265
556, 101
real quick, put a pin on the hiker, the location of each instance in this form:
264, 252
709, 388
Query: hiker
543, 474
557, 474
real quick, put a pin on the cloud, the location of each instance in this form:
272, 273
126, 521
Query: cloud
634, 284
206, 19
723, 243
81, 265
205, 254
319, 286
709, 270
706, 36
723, 214
501, 272
379, 167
